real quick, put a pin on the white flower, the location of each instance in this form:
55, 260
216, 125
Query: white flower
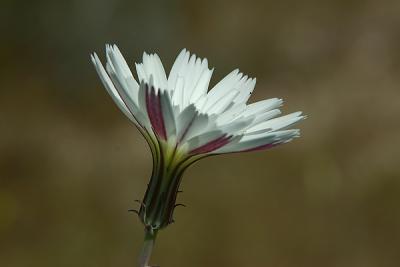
183, 121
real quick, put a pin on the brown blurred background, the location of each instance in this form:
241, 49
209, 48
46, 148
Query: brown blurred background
71, 164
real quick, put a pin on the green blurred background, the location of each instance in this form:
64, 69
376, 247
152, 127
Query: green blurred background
71, 164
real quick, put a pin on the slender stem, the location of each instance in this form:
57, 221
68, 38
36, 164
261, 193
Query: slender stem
148, 244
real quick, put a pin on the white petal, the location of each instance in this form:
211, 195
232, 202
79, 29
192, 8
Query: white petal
231, 114
237, 127
202, 84
168, 113
122, 62
152, 66
110, 87
262, 117
182, 59
246, 88
193, 74
203, 139
184, 120
262, 106
248, 143
127, 97
178, 93
220, 104
142, 76
201, 102
116, 65
196, 127
277, 123
222, 88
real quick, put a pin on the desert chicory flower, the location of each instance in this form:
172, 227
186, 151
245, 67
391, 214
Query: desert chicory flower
183, 122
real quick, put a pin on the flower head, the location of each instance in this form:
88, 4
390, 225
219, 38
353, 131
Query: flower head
183, 121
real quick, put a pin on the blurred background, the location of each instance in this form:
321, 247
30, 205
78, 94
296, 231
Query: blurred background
71, 164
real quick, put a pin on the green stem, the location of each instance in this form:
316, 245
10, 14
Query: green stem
148, 244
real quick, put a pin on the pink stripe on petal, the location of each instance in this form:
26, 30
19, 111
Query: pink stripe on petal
187, 128
262, 147
153, 106
212, 145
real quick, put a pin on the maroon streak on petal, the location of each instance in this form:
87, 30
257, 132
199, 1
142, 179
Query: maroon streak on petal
212, 145
187, 128
153, 106
262, 147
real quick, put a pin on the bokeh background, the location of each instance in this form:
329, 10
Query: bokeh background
71, 164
